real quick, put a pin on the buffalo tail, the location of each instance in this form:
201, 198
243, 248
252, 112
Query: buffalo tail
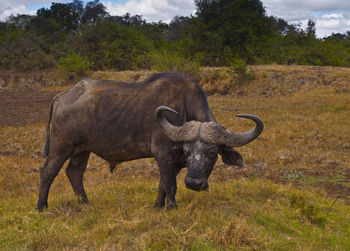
47, 144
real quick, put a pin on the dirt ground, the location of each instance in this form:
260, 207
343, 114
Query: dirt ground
25, 107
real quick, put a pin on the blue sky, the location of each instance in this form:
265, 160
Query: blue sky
38, 5
331, 16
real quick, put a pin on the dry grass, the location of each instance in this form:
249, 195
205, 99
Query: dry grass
24, 80
272, 80
125, 76
283, 199
265, 80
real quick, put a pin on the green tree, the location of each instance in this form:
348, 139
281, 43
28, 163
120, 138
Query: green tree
311, 29
111, 45
66, 15
221, 32
94, 12
231, 28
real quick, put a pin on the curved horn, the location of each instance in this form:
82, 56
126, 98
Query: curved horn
219, 135
162, 121
188, 132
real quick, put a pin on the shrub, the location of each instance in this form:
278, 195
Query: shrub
24, 54
75, 63
238, 66
165, 61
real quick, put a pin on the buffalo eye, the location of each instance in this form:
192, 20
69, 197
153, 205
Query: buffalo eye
212, 152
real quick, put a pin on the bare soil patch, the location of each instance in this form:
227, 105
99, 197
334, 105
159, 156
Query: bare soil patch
25, 107
337, 190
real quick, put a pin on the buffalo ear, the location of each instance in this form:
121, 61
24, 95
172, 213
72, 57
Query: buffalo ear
231, 157
176, 156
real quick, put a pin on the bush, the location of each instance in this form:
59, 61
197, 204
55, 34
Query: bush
111, 46
24, 54
165, 62
75, 63
238, 66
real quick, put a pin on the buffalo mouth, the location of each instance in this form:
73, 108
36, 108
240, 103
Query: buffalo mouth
196, 184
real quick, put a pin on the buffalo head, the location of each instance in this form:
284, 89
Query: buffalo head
203, 141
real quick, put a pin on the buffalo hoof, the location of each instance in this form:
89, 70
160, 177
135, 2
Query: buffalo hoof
40, 206
158, 205
83, 200
171, 206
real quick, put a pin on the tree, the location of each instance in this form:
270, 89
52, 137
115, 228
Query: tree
94, 12
221, 32
111, 45
232, 28
178, 28
311, 29
64, 14
20, 21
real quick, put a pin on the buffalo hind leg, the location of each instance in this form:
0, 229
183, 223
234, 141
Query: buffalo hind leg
48, 172
75, 172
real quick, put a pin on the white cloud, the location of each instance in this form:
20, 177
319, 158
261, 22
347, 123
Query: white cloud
329, 16
153, 10
12, 8
295, 10
332, 23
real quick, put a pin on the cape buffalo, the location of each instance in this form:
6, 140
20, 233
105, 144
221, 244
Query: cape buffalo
167, 117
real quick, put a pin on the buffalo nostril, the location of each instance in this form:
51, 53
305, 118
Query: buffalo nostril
193, 183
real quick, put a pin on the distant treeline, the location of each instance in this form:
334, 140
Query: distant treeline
79, 37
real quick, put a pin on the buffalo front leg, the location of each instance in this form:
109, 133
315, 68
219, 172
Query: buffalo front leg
48, 172
168, 159
167, 187
75, 172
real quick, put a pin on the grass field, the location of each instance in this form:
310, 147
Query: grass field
292, 194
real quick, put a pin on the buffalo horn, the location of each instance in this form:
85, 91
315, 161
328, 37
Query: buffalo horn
188, 132
217, 134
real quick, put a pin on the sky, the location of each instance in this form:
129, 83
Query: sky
330, 16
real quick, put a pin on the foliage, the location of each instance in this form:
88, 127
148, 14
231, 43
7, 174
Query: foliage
75, 63
231, 28
23, 52
220, 31
121, 48
165, 61
238, 66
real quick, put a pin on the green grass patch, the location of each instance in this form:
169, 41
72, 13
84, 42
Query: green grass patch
245, 214
337, 179
335, 108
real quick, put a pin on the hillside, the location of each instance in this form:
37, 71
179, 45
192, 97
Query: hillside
265, 80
